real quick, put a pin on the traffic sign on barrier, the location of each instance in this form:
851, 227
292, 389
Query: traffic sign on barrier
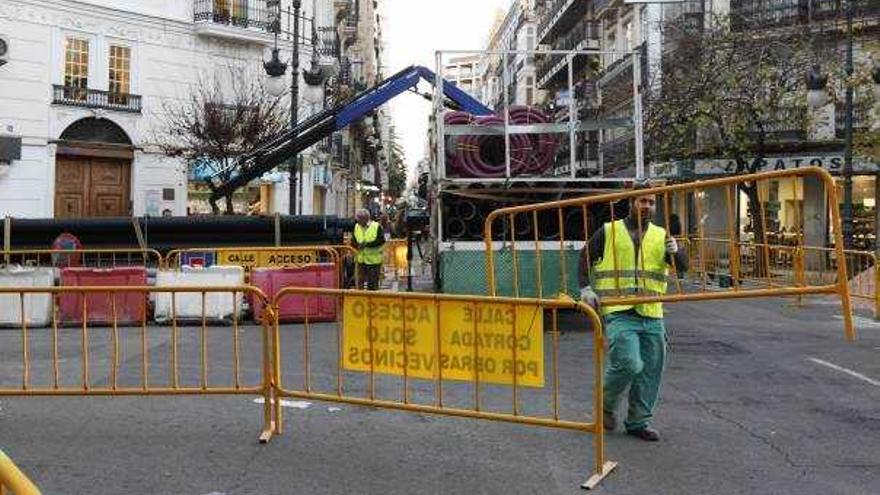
271, 259
499, 343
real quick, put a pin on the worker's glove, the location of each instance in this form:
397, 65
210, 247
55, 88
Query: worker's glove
671, 245
588, 296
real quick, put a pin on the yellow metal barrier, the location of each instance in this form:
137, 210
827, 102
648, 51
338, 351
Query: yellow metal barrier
476, 357
250, 257
12, 480
789, 265
270, 256
473, 357
86, 320
715, 206
92, 258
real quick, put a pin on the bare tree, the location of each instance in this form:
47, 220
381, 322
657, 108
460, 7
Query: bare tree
224, 115
728, 93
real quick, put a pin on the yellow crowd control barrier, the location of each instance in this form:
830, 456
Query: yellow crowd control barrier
12, 480
467, 356
250, 257
718, 240
104, 341
92, 258
265, 257
475, 357
789, 265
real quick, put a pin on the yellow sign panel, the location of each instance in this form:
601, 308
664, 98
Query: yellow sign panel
276, 259
491, 341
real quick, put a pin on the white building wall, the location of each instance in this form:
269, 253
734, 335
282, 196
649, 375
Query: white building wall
168, 56
24, 96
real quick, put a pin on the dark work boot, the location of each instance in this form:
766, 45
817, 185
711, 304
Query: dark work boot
609, 420
646, 434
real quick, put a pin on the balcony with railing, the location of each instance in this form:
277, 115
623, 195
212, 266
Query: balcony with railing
861, 119
618, 153
784, 124
584, 35
351, 74
95, 98
249, 20
328, 42
586, 154
755, 14
558, 16
347, 22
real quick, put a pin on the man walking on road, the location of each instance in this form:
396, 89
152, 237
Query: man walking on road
631, 257
368, 239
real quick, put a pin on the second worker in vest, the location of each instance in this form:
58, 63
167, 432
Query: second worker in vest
631, 257
368, 239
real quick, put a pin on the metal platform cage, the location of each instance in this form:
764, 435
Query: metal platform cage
551, 116
558, 124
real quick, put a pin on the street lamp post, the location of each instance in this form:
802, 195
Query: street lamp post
816, 97
294, 103
276, 69
848, 134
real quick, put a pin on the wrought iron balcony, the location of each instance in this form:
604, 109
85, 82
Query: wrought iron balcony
328, 42
583, 35
248, 14
557, 15
755, 14
618, 153
785, 123
95, 98
861, 119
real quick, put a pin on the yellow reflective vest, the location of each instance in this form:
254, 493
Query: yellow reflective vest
621, 272
367, 255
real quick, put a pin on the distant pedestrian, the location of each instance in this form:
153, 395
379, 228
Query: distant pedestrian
368, 239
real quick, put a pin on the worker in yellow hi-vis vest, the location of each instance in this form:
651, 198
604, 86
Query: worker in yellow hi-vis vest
368, 239
631, 257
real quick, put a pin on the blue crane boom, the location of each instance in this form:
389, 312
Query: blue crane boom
316, 127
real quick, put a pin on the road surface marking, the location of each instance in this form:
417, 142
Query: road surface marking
846, 370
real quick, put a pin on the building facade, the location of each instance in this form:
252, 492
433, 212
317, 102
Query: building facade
509, 78
464, 72
86, 82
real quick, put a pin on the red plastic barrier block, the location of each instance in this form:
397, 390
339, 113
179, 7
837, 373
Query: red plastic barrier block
294, 307
130, 307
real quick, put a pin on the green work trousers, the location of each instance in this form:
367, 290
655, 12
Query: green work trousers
636, 357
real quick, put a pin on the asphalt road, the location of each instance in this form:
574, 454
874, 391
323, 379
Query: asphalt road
759, 397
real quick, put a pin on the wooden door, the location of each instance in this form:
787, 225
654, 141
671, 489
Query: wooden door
108, 188
91, 187
71, 186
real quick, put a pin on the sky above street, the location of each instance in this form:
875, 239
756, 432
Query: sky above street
413, 30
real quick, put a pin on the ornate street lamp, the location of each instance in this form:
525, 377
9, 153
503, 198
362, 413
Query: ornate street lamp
275, 69
816, 88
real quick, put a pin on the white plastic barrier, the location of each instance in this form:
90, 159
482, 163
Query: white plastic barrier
188, 306
37, 307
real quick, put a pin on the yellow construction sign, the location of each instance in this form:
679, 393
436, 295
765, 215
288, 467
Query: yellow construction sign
490, 341
284, 257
